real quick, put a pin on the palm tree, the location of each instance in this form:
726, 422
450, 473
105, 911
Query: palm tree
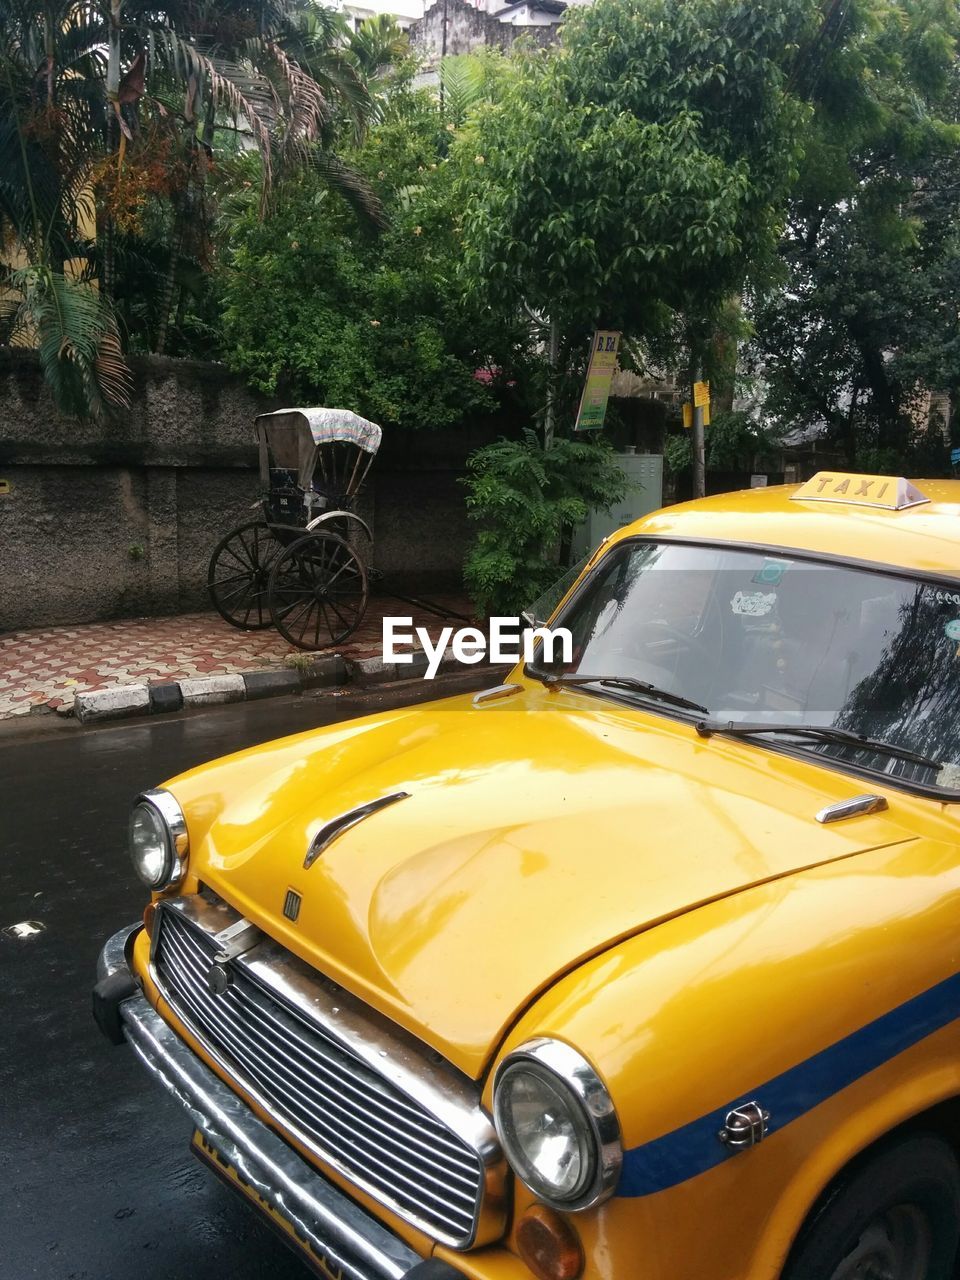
278, 72
52, 120
51, 123
108, 103
379, 47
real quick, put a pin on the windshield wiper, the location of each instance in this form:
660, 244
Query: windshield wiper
621, 682
818, 733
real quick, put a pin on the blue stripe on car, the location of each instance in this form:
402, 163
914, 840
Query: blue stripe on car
695, 1147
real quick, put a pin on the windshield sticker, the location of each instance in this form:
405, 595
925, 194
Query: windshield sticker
771, 573
948, 597
952, 629
753, 604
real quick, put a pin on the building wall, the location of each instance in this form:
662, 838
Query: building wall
104, 521
468, 29
527, 17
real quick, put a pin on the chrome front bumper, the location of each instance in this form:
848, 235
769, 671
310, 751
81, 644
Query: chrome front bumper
346, 1240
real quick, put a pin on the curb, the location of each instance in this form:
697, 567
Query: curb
199, 691
334, 671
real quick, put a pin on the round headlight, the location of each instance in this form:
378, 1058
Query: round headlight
557, 1125
158, 840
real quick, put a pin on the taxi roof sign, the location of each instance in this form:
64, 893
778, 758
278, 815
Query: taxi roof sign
891, 493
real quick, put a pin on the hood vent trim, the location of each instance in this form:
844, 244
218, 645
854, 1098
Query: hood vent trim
331, 830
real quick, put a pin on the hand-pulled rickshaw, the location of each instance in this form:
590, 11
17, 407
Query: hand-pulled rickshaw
297, 567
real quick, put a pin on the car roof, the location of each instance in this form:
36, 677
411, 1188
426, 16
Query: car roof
923, 537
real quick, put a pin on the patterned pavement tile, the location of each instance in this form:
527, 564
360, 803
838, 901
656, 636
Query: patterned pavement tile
43, 669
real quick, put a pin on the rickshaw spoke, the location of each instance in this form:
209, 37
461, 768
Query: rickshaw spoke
250, 561
300, 620
316, 569
345, 621
234, 591
296, 613
306, 627
297, 600
347, 565
349, 593
243, 564
331, 630
349, 589
323, 557
317, 566
237, 591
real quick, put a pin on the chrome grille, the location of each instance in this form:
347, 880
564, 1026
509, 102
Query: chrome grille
359, 1122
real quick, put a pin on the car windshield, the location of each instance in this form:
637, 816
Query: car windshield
768, 640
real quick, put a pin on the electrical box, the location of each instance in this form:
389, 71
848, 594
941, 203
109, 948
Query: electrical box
645, 474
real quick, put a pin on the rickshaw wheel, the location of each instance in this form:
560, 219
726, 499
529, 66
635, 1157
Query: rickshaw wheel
239, 575
318, 591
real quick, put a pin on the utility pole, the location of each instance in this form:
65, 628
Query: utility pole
553, 359
697, 411
443, 54
698, 445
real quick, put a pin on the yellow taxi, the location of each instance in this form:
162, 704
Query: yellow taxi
644, 965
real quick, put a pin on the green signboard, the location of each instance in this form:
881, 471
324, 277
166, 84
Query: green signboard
600, 371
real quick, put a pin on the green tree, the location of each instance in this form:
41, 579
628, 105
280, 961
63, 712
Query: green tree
381, 51
640, 171
867, 318
316, 311
526, 499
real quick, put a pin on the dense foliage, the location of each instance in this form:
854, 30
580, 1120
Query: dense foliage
866, 321
314, 311
527, 499
631, 179
735, 441
112, 116
641, 171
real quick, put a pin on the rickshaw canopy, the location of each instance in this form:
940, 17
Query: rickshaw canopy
325, 426
295, 436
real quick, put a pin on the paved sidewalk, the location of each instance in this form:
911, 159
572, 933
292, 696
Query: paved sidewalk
42, 670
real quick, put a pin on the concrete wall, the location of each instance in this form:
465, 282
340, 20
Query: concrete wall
468, 29
108, 520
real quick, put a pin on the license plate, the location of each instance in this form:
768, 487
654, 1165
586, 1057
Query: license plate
205, 1150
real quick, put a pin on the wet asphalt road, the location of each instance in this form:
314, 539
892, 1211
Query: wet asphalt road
97, 1181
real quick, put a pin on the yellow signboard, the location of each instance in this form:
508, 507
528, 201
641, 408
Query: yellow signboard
688, 414
701, 394
893, 493
596, 392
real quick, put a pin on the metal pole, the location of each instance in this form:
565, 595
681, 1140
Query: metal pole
552, 359
443, 54
699, 453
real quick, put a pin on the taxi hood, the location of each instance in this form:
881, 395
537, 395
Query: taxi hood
537, 831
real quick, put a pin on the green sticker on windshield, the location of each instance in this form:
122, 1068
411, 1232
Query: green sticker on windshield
952, 629
771, 572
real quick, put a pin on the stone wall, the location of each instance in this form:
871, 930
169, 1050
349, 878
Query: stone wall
468, 29
107, 520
